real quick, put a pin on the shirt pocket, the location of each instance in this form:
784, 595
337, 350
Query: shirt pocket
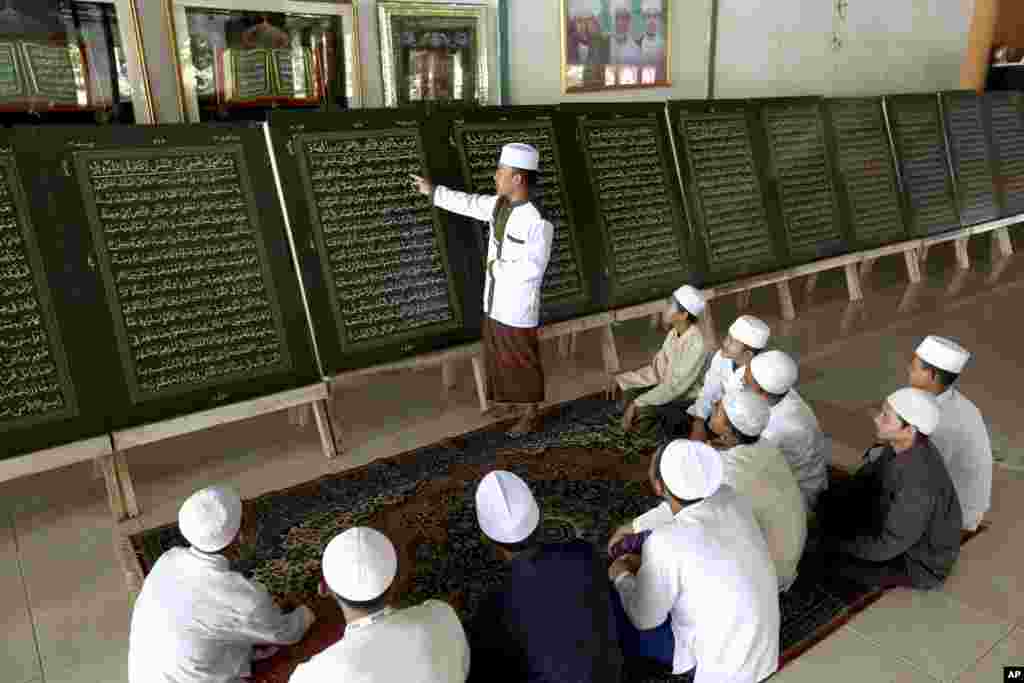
514, 248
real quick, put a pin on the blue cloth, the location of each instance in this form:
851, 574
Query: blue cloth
656, 644
551, 620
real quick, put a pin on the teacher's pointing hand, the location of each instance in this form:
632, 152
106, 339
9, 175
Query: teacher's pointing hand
422, 185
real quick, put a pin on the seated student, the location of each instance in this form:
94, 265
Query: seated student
424, 643
747, 337
897, 521
195, 620
703, 592
551, 619
792, 425
661, 391
961, 437
757, 471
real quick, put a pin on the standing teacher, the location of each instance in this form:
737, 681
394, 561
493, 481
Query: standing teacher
517, 256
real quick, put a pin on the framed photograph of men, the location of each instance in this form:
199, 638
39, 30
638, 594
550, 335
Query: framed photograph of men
615, 44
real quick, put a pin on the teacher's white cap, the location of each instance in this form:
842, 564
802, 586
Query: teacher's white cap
689, 298
520, 155
359, 564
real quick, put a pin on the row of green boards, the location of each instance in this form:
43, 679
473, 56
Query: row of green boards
152, 271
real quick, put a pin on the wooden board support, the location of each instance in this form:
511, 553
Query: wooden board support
708, 328
786, 300
124, 480
448, 377
960, 279
563, 345
743, 300
913, 265
114, 497
866, 266
853, 282
963, 259
480, 375
1001, 240
811, 284
610, 351
328, 440
57, 457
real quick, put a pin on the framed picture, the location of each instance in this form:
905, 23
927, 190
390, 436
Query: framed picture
433, 51
615, 44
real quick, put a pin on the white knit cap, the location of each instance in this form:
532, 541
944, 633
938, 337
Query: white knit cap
917, 407
360, 564
505, 508
774, 371
690, 469
210, 518
652, 6
751, 331
690, 299
747, 411
943, 353
520, 155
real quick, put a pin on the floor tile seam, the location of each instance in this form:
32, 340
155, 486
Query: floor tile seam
893, 655
987, 653
961, 669
28, 598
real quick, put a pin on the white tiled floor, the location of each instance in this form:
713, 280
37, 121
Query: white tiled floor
64, 608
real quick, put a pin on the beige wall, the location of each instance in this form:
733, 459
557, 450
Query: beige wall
784, 47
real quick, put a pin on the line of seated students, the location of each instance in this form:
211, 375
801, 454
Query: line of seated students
693, 584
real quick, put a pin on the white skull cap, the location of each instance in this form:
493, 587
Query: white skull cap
750, 331
747, 411
505, 507
652, 6
210, 518
359, 564
689, 298
690, 469
917, 407
943, 353
520, 155
621, 7
774, 371
585, 8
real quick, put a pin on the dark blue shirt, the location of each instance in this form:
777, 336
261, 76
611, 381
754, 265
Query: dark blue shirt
550, 621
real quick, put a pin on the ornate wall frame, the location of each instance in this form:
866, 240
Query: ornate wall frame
177, 27
440, 18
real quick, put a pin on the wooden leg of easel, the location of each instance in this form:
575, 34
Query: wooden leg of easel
786, 300
913, 265
963, 260
114, 497
708, 327
909, 299
97, 471
811, 284
609, 351
655, 320
866, 267
295, 418
960, 278
448, 377
323, 427
124, 479
923, 254
850, 316
743, 300
480, 377
572, 343
1001, 240
563, 346
853, 282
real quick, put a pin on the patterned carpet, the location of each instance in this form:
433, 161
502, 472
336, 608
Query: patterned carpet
586, 474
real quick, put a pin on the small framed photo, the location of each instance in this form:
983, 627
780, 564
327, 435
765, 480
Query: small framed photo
615, 45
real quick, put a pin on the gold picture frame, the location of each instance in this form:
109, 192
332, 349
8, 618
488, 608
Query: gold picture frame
454, 38
601, 50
